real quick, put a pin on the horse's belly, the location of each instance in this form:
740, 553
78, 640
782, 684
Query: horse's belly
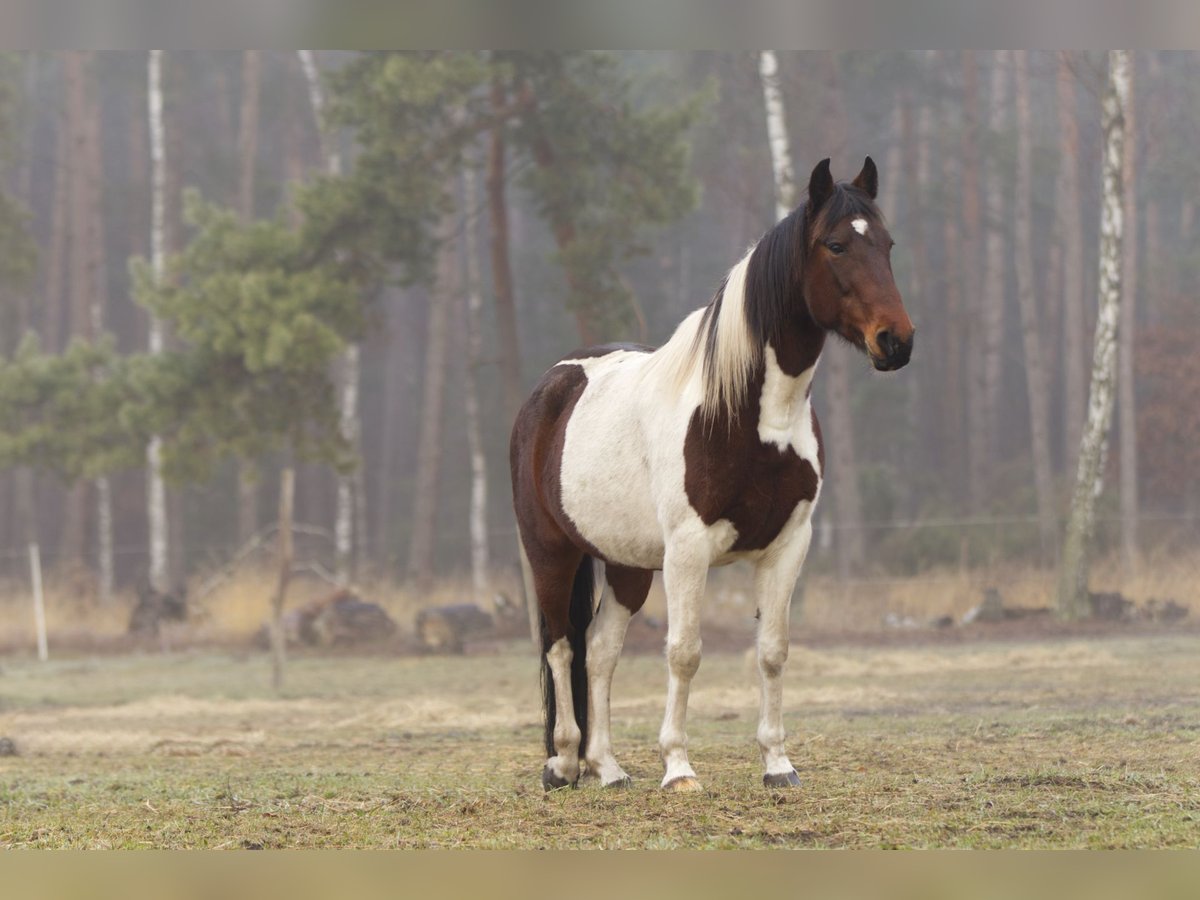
606, 486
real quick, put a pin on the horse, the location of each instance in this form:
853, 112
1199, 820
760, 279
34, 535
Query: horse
699, 453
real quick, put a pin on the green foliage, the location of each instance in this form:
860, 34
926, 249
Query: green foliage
605, 168
259, 326
599, 166
412, 115
66, 413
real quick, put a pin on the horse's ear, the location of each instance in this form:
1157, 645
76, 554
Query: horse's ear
820, 187
868, 179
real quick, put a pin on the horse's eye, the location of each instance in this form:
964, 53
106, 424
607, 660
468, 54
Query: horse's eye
835, 248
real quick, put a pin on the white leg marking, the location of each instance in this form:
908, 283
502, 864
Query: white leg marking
774, 580
685, 571
565, 763
605, 638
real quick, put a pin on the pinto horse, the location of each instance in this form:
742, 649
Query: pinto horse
697, 454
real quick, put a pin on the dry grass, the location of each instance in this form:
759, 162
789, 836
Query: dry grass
236, 608
1078, 743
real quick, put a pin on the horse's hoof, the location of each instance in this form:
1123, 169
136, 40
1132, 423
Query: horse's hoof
782, 780
684, 784
620, 784
552, 782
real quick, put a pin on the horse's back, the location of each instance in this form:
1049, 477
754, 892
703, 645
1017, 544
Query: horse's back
579, 456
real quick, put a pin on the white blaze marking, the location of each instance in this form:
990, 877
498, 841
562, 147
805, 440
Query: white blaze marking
859, 225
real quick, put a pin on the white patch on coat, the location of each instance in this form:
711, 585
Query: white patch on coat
565, 762
859, 225
623, 467
785, 416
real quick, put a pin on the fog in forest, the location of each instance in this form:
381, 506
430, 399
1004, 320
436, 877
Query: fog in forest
428, 232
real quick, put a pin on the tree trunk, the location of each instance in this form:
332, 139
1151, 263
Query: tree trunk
97, 298
977, 446
1070, 229
1154, 125
777, 135
1036, 383
24, 525
1127, 395
248, 133
350, 367
389, 430
156, 497
1073, 576
79, 307
287, 489
992, 321
893, 163
952, 384
474, 360
56, 267
247, 496
502, 281
847, 500
915, 126
429, 443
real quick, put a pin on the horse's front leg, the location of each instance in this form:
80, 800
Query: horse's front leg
685, 571
774, 581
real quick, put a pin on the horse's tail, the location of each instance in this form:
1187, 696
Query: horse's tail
580, 616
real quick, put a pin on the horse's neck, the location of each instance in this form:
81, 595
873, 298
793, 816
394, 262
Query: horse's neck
797, 350
786, 381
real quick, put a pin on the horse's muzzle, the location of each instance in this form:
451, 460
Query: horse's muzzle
894, 353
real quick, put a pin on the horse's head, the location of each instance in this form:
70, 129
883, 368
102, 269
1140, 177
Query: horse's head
847, 272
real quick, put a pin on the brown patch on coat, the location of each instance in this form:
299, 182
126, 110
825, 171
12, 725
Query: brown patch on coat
732, 475
552, 543
630, 586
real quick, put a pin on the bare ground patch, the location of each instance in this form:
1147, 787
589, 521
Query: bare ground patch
1072, 743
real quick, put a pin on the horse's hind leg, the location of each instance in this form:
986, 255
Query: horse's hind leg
553, 578
626, 592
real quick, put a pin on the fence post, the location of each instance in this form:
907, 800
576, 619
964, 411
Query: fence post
39, 607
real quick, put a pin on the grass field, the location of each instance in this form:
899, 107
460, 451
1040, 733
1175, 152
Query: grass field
1068, 743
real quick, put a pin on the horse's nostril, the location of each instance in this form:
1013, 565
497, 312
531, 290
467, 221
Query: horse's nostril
886, 343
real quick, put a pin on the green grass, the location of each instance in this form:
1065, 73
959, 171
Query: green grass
1079, 743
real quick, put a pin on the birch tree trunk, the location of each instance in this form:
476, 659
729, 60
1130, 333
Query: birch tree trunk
1072, 600
777, 136
502, 280
994, 269
349, 368
1127, 396
247, 520
1036, 383
1070, 229
156, 497
429, 443
474, 359
977, 446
